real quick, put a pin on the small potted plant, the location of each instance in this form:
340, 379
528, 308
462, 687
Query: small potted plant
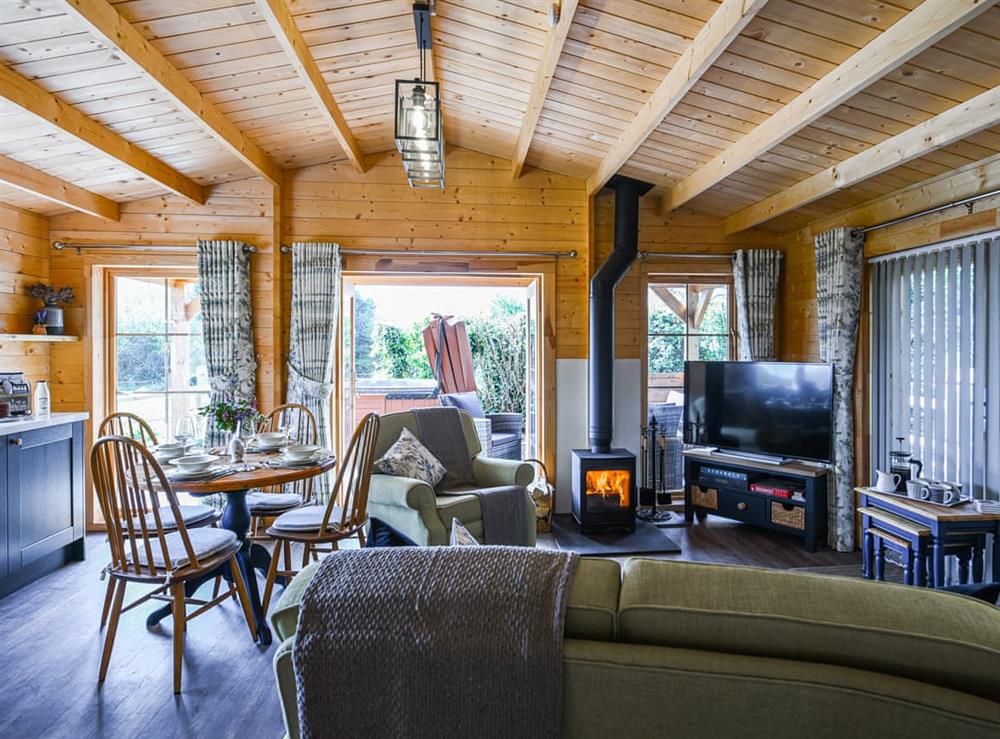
232, 417
54, 298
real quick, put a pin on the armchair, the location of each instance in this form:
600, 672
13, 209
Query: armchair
499, 434
415, 510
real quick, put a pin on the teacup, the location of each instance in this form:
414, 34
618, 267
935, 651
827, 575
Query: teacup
916, 489
301, 452
942, 493
170, 449
194, 462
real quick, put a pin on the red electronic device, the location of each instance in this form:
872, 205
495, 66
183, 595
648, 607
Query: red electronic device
773, 490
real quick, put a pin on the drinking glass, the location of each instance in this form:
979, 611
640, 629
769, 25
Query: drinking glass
185, 430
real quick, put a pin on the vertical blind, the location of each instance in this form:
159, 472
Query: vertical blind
936, 360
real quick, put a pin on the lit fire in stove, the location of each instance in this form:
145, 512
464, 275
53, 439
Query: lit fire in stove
607, 489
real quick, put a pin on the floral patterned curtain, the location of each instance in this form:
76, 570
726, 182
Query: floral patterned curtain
755, 288
315, 306
224, 277
839, 266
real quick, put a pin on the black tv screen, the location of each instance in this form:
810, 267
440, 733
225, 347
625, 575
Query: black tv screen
782, 409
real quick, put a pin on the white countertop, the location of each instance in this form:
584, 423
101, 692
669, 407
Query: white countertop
18, 425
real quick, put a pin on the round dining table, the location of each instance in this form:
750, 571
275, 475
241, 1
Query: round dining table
267, 472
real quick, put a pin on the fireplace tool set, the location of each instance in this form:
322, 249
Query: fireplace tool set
653, 446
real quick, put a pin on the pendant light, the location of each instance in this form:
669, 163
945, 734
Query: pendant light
419, 128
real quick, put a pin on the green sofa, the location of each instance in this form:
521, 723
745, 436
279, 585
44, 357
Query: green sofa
411, 506
661, 648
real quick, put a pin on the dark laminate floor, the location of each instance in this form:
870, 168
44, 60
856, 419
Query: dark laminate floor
50, 650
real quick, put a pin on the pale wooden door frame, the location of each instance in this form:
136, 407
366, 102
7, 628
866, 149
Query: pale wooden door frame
466, 271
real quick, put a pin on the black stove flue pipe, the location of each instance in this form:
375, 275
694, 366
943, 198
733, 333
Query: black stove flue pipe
602, 308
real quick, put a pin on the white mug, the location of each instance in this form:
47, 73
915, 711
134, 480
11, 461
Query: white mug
886, 482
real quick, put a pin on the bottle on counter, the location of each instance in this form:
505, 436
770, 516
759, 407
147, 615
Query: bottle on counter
42, 404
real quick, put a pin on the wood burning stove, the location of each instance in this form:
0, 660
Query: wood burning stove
604, 485
604, 489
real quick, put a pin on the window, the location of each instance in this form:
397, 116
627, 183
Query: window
156, 366
936, 361
685, 321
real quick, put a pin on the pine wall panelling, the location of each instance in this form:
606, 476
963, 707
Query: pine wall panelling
24, 259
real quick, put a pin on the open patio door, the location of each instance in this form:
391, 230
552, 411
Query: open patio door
532, 374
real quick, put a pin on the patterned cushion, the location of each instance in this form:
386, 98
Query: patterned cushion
272, 501
409, 458
460, 536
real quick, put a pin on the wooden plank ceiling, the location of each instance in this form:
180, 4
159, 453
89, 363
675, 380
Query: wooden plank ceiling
579, 97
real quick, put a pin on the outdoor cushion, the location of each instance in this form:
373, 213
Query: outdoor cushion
192, 515
205, 542
939, 638
590, 609
504, 439
465, 402
308, 518
272, 501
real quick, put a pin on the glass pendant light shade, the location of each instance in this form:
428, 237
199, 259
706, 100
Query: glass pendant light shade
420, 132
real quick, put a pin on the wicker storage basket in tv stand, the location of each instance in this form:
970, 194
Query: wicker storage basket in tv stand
719, 484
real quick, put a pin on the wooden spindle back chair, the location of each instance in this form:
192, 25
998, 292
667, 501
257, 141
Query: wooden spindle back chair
130, 426
345, 513
302, 425
129, 482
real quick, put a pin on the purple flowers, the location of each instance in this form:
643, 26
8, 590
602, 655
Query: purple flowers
227, 415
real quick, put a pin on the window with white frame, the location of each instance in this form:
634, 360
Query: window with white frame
936, 361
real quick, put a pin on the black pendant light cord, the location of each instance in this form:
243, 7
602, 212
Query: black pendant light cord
423, 51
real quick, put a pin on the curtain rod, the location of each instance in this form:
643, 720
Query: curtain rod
285, 249
967, 202
932, 248
60, 245
643, 255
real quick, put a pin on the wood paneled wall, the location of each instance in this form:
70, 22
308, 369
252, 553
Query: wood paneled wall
482, 209
681, 231
237, 210
24, 259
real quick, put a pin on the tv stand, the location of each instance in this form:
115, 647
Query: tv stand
720, 483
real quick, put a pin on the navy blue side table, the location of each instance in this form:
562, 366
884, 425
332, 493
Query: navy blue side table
955, 522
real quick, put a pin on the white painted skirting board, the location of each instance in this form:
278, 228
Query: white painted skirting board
571, 416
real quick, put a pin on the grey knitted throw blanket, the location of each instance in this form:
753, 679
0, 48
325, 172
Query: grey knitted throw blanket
432, 642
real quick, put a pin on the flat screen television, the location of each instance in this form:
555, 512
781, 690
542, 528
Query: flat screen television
778, 409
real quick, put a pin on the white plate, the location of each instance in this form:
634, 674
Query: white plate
177, 474
318, 456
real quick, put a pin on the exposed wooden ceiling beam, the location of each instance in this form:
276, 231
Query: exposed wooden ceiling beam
282, 24
102, 20
966, 119
34, 99
916, 31
714, 38
540, 87
35, 181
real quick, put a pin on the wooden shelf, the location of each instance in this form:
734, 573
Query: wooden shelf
44, 338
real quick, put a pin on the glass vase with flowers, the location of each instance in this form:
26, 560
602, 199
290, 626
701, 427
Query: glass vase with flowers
234, 417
